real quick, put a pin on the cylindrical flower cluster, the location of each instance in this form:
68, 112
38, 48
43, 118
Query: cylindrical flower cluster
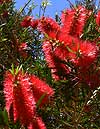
22, 91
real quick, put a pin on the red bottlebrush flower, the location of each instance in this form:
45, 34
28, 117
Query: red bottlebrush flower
83, 54
65, 14
98, 18
22, 50
8, 90
27, 21
47, 48
74, 20
61, 68
61, 52
34, 23
40, 88
61, 55
17, 92
49, 26
65, 39
37, 124
67, 20
55, 58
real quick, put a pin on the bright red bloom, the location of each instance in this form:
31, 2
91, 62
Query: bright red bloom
61, 52
18, 94
27, 21
83, 54
22, 91
65, 39
34, 23
37, 124
49, 26
67, 20
74, 20
40, 89
55, 55
98, 18
48, 51
61, 69
60, 55
8, 90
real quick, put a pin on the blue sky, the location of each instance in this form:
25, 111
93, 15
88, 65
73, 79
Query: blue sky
57, 6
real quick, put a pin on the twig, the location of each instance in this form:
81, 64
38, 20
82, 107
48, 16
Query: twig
25, 6
70, 3
40, 11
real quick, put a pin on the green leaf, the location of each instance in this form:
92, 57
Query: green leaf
12, 69
0, 115
5, 116
3, 40
18, 69
70, 50
40, 100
